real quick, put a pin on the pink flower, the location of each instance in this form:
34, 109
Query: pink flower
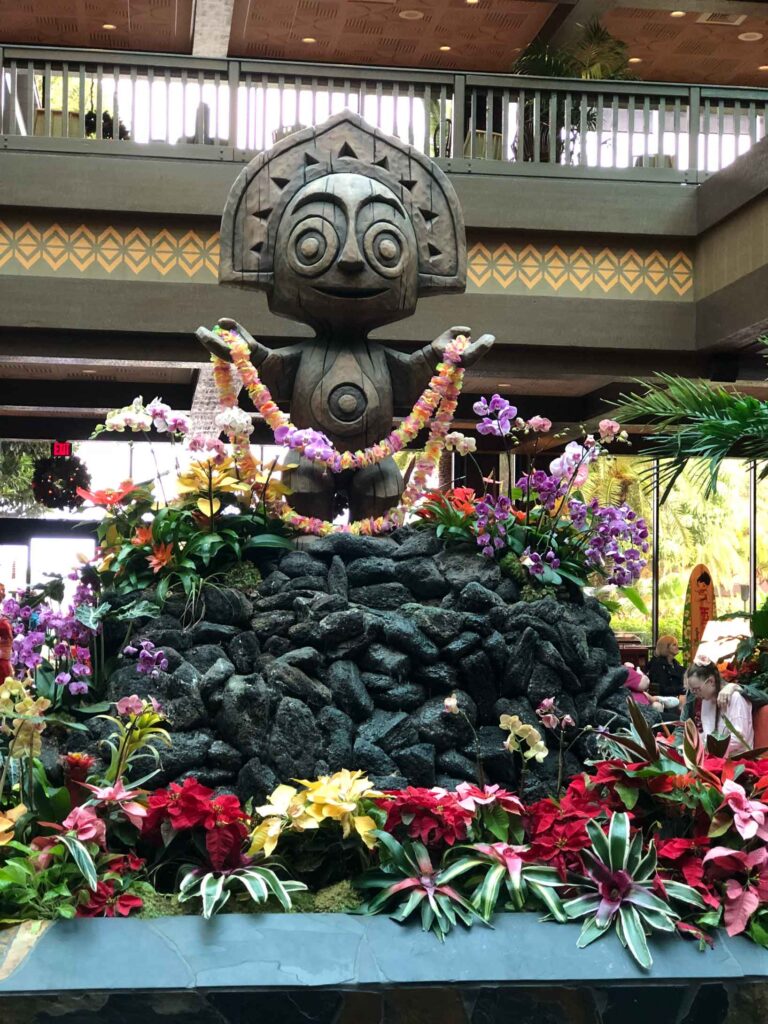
548, 704
742, 895
507, 855
130, 705
608, 429
748, 815
118, 794
540, 424
471, 797
87, 826
566, 720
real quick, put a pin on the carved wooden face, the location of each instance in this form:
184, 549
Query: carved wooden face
345, 254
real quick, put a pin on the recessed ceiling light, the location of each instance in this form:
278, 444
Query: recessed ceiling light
309, 39
763, 67
750, 37
677, 14
410, 15
635, 60
445, 49
109, 26
473, 2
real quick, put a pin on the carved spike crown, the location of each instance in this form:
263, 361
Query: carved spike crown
343, 144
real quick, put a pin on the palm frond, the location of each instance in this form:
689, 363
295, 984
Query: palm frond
696, 420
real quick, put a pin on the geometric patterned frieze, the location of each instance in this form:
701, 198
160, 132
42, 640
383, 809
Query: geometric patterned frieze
579, 269
107, 251
148, 251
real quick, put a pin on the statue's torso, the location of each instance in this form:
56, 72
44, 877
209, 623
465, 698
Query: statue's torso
345, 391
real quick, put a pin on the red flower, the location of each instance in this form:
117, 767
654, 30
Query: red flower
560, 845
432, 816
686, 857
128, 863
224, 844
190, 805
76, 767
106, 903
108, 498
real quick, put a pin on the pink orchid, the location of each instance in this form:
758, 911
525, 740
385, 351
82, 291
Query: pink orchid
118, 794
132, 705
87, 826
540, 424
742, 895
748, 815
608, 429
471, 797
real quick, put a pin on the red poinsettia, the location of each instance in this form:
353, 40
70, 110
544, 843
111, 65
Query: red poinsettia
686, 856
433, 816
105, 902
191, 805
559, 844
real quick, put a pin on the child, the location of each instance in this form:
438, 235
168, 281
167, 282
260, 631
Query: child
638, 683
705, 683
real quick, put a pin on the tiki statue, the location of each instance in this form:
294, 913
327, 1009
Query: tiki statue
344, 227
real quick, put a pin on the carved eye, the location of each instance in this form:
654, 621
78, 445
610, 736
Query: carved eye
385, 248
312, 246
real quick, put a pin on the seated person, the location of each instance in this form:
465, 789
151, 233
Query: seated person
705, 685
666, 674
638, 683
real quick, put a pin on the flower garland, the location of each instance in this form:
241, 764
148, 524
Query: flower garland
435, 407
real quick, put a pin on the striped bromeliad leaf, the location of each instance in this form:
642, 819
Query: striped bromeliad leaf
215, 888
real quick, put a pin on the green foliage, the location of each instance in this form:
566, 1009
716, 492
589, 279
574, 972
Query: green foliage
408, 881
594, 54
17, 466
31, 892
255, 882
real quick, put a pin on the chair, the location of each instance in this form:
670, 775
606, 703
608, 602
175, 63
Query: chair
760, 726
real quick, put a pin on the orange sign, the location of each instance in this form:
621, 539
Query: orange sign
699, 609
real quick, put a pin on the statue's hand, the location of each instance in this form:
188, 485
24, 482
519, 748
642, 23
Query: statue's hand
216, 345
473, 352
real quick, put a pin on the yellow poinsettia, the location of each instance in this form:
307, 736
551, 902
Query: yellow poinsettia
337, 797
8, 821
265, 836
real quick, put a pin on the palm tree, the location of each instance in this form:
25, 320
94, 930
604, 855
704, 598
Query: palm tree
698, 423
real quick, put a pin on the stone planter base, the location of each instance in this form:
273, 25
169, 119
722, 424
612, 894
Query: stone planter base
342, 969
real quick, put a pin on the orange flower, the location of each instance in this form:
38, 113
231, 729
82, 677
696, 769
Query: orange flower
142, 536
463, 500
108, 497
162, 555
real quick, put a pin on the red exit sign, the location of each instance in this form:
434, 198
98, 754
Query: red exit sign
62, 449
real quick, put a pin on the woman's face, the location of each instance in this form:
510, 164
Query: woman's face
673, 649
705, 689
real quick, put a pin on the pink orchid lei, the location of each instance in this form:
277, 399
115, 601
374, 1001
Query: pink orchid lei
435, 407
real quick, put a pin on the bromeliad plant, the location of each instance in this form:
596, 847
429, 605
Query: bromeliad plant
407, 881
618, 889
257, 883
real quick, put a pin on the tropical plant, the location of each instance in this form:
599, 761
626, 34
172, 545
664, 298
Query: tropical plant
215, 888
699, 421
407, 881
501, 868
617, 889
17, 467
594, 54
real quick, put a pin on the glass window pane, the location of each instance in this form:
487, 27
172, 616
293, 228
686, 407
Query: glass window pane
695, 529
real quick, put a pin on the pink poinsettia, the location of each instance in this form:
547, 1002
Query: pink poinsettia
121, 796
471, 797
749, 816
86, 825
746, 883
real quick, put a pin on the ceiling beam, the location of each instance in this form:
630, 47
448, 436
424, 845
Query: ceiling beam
212, 27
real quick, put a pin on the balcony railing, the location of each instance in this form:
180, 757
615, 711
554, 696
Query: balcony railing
229, 109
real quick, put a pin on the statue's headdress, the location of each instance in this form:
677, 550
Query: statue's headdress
345, 143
